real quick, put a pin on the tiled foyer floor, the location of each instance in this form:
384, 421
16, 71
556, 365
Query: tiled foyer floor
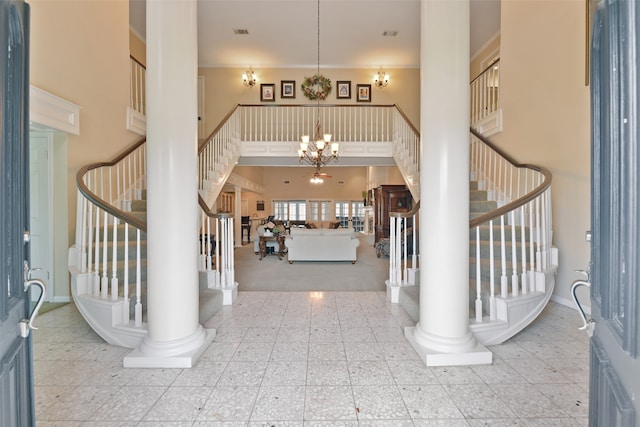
312, 359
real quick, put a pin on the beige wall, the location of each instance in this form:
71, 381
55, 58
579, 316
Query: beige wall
487, 50
80, 52
224, 89
546, 114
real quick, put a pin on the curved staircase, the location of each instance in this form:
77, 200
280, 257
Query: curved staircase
512, 264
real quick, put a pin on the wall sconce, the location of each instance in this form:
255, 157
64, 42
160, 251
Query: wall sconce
381, 80
249, 78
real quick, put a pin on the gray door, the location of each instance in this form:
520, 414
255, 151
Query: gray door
16, 380
614, 397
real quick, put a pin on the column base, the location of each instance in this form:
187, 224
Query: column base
182, 353
472, 353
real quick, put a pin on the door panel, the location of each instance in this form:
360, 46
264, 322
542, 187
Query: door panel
40, 215
615, 216
16, 380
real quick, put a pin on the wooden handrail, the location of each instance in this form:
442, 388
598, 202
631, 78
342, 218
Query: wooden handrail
316, 106
485, 70
103, 204
409, 214
406, 119
137, 62
224, 120
520, 201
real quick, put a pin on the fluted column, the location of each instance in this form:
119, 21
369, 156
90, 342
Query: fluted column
175, 337
442, 336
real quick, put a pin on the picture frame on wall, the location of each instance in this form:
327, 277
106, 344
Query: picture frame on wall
343, 89
267, 92
287, 89
364, 93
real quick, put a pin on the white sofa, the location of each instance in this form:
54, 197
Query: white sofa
322, 244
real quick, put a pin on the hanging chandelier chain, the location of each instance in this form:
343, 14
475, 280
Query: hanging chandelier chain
318, 151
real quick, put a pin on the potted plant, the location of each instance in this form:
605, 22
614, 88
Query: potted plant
277, 229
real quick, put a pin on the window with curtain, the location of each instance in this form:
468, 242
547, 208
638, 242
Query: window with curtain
320, 210
290, 210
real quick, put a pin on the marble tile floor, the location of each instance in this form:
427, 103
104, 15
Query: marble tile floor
312, 359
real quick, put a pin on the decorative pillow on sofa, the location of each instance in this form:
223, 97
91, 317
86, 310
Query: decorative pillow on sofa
334, 224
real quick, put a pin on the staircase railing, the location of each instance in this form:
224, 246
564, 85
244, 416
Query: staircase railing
217, 156
103, 220
485, 93
403, 233
109, 257
519, 230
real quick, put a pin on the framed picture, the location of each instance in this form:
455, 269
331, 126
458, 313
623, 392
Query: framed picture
287, 88
267, 92
364, 93
344, 89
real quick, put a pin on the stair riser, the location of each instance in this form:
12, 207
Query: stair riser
477, 195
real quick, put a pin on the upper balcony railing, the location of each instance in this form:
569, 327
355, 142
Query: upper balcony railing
137, 86
485, 93
347, 123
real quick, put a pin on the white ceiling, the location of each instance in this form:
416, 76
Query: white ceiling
284, 33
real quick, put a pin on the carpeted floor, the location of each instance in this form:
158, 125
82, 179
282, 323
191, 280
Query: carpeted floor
48, 306
270, 274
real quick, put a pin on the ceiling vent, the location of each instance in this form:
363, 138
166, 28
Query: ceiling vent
240, 31
390, 33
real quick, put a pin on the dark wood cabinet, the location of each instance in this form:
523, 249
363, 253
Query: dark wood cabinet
389, 198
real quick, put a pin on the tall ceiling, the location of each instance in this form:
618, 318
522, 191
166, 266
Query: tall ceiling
284, 33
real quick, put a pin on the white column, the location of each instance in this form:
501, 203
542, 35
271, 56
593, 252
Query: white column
175, 337
442, 336
237, 208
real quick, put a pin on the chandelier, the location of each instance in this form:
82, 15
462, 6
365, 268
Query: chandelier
318, 151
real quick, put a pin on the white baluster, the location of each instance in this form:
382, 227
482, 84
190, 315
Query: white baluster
114, 262
492, 296
503, 260
104, 283
478, 279
138, 307
523, 245
514, 257
125, 278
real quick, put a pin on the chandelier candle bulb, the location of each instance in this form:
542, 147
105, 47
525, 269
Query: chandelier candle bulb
334, 148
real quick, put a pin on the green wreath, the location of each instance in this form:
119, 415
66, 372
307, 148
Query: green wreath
309, 87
